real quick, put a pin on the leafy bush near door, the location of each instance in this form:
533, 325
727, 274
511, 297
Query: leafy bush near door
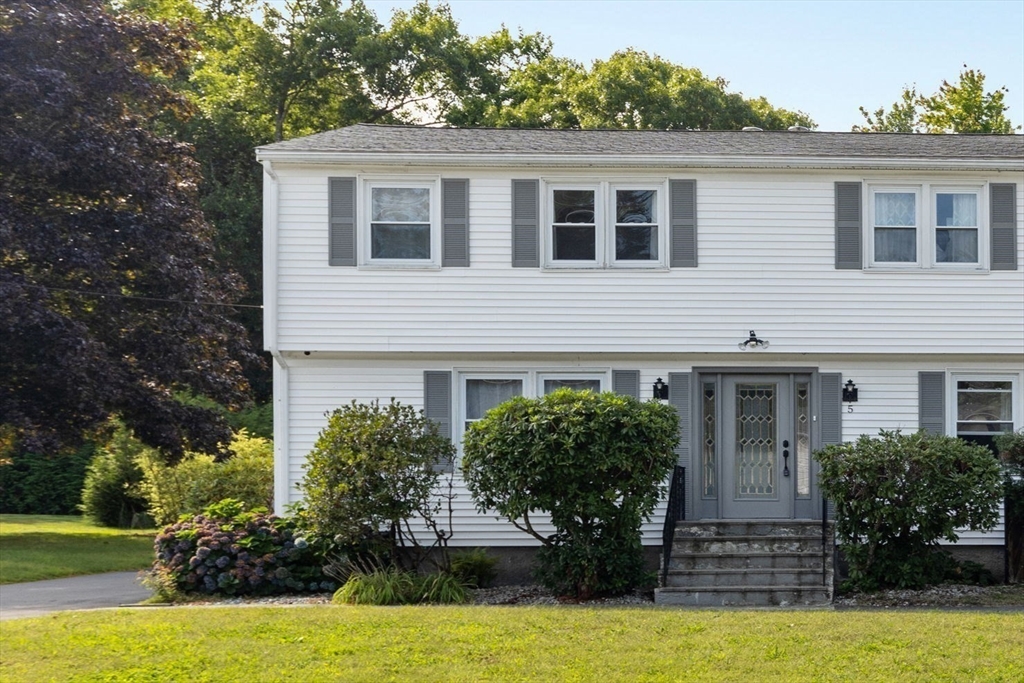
897, 495
595, 462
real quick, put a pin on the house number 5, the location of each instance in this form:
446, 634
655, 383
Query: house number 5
849, 409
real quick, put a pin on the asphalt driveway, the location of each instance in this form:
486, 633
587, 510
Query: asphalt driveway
19, 600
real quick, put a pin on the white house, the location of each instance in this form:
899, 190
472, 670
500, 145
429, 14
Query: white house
755, 273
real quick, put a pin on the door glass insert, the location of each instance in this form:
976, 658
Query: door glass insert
708, 440
755, 441
803, 440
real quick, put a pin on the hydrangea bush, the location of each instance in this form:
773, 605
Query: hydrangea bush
228, 550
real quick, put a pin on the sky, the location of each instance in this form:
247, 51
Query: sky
826, 58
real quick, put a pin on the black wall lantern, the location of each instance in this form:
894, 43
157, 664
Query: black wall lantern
850, 392
660, 390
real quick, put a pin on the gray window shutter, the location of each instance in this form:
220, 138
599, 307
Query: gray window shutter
626, 382
342, 212
849, 226
455, 223
931, 402
437, 404
683, 223
525, 223
1003, 224
679, 396
831, 384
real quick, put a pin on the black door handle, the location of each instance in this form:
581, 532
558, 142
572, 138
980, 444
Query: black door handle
785, 460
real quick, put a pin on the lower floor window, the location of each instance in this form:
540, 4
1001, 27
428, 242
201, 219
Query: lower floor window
483, 391
984, 408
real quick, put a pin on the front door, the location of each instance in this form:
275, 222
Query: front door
758, 445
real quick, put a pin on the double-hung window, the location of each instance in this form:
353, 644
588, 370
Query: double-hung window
984, 406
401, 225
605, 225
956, 233
926, 226
481, 391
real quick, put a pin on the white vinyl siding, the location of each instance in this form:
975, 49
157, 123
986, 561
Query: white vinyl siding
888, 400
766, 263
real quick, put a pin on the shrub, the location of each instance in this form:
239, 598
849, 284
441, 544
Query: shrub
373, 470
230, 550
595, 462
897, 495
34, 484
198, 480
110, 494
474, 567
1011, 450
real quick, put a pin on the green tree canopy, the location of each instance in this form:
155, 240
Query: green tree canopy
110, 299
961, 108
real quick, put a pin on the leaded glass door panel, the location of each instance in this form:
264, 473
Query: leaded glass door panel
757, 445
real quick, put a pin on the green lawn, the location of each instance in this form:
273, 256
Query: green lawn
34, 547
335, 643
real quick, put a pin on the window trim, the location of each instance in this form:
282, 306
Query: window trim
953, 377
533, 387
926, 193
604, 223
365, 214
980, 225
875, 190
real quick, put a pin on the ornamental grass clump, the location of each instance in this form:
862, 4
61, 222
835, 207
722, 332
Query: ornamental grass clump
896, 496
229, 550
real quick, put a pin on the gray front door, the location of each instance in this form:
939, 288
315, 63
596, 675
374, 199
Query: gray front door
757, 447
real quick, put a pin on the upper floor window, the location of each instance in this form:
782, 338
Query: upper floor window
926, 226
605, 225
401, 223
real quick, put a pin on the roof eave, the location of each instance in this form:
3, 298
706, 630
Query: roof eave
631, 160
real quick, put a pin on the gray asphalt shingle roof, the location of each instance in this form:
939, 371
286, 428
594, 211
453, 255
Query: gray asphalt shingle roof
369, 138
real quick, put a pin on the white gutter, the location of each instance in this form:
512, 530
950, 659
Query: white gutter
634, 160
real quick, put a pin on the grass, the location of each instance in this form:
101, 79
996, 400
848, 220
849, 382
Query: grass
378, 644
35, 547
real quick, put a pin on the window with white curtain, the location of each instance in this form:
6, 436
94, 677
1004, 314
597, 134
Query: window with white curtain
400, 223
926, 226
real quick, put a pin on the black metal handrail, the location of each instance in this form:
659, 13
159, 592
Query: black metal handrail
824, 542
675, 511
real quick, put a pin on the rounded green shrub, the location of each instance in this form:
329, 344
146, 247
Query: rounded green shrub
596, 463
373, 469
896, 496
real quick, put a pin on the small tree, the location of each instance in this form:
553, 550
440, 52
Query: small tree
595, 462
897, 495
374, 475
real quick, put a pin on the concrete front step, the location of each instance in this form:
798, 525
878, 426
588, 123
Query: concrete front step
749, 527
695, 579
775, 560
743, 596
741, 544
